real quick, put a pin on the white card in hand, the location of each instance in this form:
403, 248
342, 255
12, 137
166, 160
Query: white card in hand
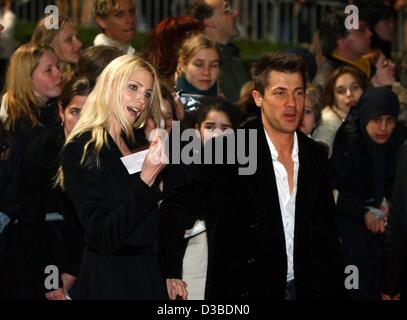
134, 162
198, 228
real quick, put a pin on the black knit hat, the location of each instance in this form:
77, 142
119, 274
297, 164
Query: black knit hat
376, 102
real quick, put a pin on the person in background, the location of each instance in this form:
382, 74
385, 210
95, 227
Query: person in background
214, 117
164, 44
33, 79
220, 21
198, 72
49, 228
342, 92
341, 46
400, 88
312, 111
364, 163
309, 59
7, 42
70, 8
63, 40
198, 68
169, 115
246, 105
383, 69
117, 21
381, 19
94, 59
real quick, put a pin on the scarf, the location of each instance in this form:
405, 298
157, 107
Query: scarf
183, 84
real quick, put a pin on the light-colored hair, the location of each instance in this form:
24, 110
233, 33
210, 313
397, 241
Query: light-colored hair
21, 99
102, 8
191, 46
46, 36
104, 105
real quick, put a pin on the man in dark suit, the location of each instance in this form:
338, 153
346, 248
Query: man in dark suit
271, 234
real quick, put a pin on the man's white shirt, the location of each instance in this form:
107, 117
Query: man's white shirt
286, 200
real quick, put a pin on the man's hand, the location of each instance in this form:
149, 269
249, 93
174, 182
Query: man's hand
390, 297
58, 294
373, 224
177, 288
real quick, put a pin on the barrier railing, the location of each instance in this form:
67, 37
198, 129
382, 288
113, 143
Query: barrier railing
275, 20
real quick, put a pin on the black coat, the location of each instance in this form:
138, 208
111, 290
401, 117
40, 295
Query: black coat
44, 243
11, 251
395, 245
355, 176
20, 137
119, 215
246, 244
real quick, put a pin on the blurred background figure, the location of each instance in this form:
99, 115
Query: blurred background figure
342, 92
400, 88
49, 228
312, 111
164, 44
198, 66
383, 69
7, 42
64, 41
220, 20
70, 8
246, 105
309, 59
117, 21
381, 19
341, 46
28, 108
94, 59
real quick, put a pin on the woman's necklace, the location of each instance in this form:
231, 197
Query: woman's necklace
341, 114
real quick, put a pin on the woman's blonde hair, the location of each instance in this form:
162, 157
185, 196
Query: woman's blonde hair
46, 36
104, 105
191, 46
21, 99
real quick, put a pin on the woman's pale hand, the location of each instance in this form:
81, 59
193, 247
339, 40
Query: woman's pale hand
155, 161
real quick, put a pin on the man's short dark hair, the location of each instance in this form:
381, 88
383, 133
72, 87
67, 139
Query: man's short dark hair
331, 29
280, 62
200, 10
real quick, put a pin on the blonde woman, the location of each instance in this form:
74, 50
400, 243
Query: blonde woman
117, 210
63, 40
33, 79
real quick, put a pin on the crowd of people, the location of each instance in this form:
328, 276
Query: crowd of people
328, 191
